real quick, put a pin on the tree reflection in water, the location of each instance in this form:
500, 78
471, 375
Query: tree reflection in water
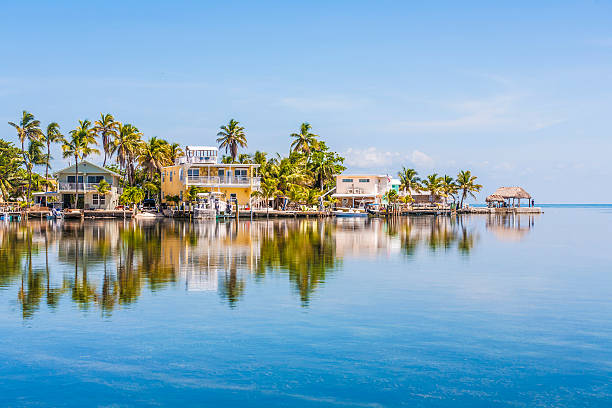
109, 264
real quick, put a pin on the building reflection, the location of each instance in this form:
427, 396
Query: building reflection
104, 265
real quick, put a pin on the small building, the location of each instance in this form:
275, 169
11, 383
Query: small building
86, 182
199, 167
357, 190
509, 197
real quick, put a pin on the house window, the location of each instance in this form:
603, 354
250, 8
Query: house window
163, 176
98, 199
193, 172
171, 176
347, 180
181, 174
364, 180
221, 172
71, 179
232, 197
94, 179
240, 173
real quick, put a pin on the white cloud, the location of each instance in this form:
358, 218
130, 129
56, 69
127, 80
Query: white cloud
372, 157
421, 159
501, 112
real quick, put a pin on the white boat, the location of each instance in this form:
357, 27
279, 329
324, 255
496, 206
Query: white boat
146, 215
350, 213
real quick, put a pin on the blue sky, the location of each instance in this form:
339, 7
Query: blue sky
518, 93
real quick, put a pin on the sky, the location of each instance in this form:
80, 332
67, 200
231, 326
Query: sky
517, 92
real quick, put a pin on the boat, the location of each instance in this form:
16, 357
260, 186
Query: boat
72, 213
350, 213
148, 215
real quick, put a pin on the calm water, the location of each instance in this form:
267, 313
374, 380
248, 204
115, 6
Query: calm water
476, 311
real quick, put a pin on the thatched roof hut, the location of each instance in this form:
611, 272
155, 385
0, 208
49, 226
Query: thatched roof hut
503, 194
512, 192
495, 198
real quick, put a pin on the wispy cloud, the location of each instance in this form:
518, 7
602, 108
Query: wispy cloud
506, 111
372, 157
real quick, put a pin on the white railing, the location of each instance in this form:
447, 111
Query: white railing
85, 187
224, 180
196, 159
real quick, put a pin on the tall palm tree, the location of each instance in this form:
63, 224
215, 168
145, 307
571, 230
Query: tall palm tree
127, 145
409, 181
467, 184
28, 129
106, 129
448, 186
79, 147
230, 137
305, 141
53, 135
432, 183
154, 156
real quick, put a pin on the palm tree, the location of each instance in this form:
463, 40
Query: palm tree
53, 136
409, 181
154, 156
28, 129
305, 141
268, 189
448, 187
245, 158
260, 158
106, 128
432, 184
36, 157
79, 147
175, 151
467, 184
230, 137
127, 145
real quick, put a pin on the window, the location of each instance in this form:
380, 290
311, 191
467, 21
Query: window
98, 199
232, 197
221, 172
180, 174
347, 180
94, 179
364, 180
171, 176
163, 176
193, 172
71, 179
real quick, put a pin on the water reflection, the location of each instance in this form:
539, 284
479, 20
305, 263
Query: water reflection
104, 265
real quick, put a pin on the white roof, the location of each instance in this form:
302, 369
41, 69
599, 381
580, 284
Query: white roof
362, 175
201, 148
355, 195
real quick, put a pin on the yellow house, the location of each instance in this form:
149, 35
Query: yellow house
199, 167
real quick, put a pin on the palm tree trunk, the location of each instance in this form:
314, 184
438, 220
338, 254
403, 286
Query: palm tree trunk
47, 168
76, 179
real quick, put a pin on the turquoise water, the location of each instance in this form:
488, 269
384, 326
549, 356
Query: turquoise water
420, 312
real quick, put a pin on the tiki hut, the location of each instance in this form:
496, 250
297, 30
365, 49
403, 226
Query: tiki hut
510, 193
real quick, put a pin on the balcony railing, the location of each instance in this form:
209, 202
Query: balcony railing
224, 180
196, 160
84, 187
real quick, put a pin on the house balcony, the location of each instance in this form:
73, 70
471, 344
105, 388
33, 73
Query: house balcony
225, 181
84, 188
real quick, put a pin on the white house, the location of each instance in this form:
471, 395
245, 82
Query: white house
87, 181
355, 190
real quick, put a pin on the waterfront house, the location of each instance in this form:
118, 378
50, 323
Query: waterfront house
200, 167
88, 179
357, 190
